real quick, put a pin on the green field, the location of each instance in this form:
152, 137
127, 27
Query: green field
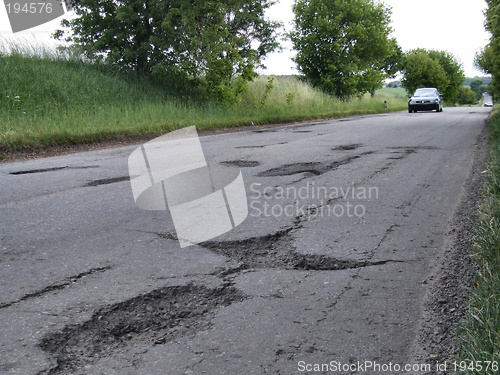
396, 92
50, 102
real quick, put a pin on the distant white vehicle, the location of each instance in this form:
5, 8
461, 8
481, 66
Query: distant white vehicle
487, 100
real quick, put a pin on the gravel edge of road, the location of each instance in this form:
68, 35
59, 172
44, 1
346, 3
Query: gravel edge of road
451, 283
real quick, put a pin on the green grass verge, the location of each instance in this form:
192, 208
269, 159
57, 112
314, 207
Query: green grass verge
482, 329
49, 101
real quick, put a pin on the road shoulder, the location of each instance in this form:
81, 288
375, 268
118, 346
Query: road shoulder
451, 282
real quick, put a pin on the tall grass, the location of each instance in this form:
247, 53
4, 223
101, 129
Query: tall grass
46, 100
482, 329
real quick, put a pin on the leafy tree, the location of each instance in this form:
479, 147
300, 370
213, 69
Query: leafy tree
476, 85
422, 71
478, 88
466, 95
343, 47
454, 72
488, 59
215, 42
484, 59
432, 68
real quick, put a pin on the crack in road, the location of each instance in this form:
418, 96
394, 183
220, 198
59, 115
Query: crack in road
260, 146
276, 251
158, 317
56, 286
414, 148
404, 151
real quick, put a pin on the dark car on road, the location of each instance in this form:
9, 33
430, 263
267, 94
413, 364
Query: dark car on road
426, 99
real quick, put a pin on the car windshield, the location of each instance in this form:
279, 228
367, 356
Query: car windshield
425, 92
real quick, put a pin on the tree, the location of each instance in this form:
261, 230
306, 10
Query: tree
211, 41
343, 47
476, 85
478, 88
439, 69
454, 72
387, 68
422, 71
489, 58
484, 59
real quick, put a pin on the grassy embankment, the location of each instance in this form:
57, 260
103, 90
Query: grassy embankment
482, 329
49, 102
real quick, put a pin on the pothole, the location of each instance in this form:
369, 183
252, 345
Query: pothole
158, 317
42, 170
266, 131
296, 168
277, 251
312, 168
242, 163
349, 147
108, 181
403, 152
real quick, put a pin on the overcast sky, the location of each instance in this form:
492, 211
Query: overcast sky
456, 26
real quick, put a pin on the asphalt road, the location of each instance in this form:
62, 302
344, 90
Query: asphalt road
348, 223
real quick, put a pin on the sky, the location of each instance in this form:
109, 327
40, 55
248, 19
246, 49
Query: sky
456, 26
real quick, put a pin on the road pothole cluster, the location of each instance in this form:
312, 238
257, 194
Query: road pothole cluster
157, 317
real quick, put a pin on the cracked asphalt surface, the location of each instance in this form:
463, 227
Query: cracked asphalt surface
352, 225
